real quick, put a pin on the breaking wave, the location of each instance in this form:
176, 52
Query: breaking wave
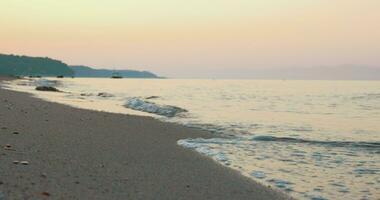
46, 82
266, 138
150, 107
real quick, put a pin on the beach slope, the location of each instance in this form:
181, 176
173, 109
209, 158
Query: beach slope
80, 154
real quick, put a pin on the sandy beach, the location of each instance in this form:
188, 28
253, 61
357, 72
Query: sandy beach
72, 153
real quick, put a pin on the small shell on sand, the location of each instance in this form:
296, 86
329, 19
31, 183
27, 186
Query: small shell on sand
24, 162
7, 147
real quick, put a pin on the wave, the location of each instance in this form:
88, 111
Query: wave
367, 96
45, 82
150, 107
266, 138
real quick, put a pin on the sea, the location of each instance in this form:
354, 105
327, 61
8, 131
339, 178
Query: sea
310, 139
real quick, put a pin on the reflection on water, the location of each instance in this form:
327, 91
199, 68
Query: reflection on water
312, 139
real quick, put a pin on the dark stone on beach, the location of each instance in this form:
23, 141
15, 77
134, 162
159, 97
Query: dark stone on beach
86, 94
152, 97
104, 94
47, 88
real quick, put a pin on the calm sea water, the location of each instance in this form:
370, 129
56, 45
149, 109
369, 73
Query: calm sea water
311, 139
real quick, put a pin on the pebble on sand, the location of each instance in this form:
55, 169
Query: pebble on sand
45, 193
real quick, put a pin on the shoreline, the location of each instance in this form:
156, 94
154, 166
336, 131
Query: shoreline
74, 153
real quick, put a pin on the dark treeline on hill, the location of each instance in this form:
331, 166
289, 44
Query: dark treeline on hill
84, 71
13, 65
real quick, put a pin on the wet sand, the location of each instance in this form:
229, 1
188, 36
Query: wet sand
81, 154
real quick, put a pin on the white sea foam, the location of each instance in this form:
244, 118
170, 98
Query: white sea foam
150, 107
295, 165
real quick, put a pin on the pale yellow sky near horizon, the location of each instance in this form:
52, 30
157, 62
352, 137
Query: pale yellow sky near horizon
191, 38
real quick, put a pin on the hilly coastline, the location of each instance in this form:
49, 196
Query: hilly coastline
85, 71
15, 65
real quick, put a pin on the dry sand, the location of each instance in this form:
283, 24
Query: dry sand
81, 154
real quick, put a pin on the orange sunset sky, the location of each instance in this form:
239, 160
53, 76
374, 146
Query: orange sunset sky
194, 38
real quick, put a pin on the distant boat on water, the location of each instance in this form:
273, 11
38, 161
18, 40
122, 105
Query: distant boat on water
116, 75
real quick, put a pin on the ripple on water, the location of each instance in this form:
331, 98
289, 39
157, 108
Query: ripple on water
258, 174
366, 171
282, 184
315, 197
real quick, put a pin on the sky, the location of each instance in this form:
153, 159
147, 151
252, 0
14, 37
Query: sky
195, 39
